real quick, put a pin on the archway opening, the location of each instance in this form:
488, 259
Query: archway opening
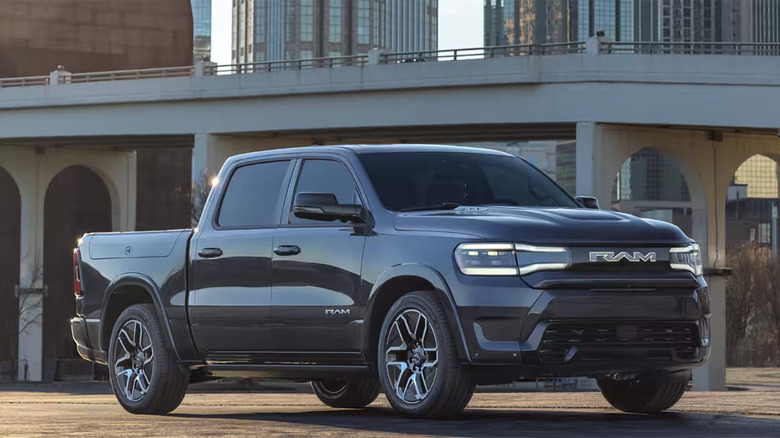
10, 222
753, 289
77, 201
651, 185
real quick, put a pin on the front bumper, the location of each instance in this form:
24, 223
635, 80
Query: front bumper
589, 332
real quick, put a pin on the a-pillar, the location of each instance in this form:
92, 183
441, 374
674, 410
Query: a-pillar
601, 150
33, 169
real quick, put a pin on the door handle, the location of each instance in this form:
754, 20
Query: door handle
287, 250
210, 253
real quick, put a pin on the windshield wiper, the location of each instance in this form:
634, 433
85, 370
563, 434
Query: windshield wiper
441, 206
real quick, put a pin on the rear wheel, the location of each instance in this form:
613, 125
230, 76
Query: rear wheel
347, 393
648, 394
144, 373
418, 363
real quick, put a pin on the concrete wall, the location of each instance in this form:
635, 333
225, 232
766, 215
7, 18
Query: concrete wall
93, 35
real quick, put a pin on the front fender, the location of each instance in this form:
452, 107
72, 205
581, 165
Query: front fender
432, 276
145, 282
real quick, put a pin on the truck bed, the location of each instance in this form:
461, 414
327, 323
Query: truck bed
113, 267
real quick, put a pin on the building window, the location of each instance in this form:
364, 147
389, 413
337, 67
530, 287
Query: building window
307, 20
363, 22
260, 19
334, 18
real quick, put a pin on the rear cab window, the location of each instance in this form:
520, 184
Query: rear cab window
252, 195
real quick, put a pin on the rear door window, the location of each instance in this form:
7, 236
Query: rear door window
252, 196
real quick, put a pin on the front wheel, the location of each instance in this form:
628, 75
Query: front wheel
346, 393
144, 373
418, 363
648, 394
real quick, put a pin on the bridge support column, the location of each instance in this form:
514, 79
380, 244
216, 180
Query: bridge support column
212, 150
33, 170
708, 168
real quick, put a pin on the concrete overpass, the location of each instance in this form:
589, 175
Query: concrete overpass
706, 107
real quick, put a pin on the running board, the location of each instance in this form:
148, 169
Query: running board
287, 371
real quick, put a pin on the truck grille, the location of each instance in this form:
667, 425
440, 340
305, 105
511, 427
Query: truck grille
598, 341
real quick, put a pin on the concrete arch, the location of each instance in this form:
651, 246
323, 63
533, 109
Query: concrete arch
621, 143
9, 268
33, 169
662, 196
116, 170
76, 201
708, 160
747, 208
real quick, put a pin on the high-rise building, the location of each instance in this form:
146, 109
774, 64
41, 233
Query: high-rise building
528, 21
553, 21
269, 30
93, 35
756, 20
201, 23
614, 17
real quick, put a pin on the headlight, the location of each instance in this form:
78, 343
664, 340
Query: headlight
687, 258
509, 258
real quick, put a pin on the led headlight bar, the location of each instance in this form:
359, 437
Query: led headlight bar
687, 258
509, 258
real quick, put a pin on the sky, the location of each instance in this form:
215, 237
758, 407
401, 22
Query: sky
460, 26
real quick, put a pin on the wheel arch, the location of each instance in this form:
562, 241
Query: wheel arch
125, 291
398, 281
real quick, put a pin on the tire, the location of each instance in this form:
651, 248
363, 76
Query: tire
643, 395
347, 394
437, 384
130, 366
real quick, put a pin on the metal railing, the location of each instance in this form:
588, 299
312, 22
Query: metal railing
124, 75
60, 77
24, 81
483, 52
287, 65
661, 48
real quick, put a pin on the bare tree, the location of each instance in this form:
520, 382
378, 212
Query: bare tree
752, 308
201, 187
30, 310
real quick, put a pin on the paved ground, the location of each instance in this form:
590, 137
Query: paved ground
751, 408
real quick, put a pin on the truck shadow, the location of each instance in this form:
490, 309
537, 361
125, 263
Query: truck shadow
481, 423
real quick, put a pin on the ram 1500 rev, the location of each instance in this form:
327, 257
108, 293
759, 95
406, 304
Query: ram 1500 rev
417, 271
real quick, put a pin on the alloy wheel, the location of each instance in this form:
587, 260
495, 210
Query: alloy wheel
411, 356
133, 365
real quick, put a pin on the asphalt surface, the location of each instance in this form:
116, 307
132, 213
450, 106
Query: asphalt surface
90, 410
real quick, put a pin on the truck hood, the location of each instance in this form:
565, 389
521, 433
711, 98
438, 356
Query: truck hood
566, 226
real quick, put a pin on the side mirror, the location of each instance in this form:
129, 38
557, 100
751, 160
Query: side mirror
325, 207
589, 202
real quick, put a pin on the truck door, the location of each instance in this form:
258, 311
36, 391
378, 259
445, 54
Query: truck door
317, 272
231, 263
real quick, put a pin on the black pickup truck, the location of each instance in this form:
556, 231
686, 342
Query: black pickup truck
417, 271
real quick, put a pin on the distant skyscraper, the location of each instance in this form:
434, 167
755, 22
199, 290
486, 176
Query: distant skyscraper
527, 21
614, 17
756, 20
267, 30
201, 21
552, 21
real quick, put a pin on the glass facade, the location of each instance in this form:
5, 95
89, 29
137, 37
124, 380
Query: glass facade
614, 17
201, 21
528, 21
753, 192
551, 21
270, 30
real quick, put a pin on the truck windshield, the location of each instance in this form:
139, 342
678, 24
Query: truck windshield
410, 181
